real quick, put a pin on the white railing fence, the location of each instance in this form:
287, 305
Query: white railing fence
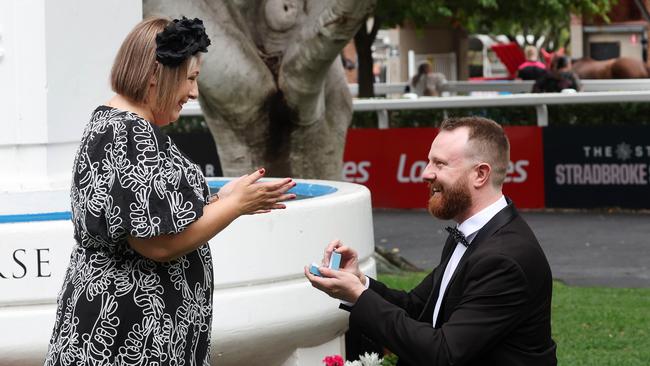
539, 101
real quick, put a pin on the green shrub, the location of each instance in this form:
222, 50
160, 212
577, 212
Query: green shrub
612, 114
558, 115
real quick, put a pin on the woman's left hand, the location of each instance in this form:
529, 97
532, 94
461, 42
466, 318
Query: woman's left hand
227, 189
273, 192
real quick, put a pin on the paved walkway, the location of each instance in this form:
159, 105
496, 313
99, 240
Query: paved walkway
583, 248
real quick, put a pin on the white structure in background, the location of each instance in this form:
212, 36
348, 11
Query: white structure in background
444, 63
55, 58
602, 42
54, 71
265, 311
480, 53
386, 54
443, 46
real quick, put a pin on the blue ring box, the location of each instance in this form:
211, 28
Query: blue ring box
335, 263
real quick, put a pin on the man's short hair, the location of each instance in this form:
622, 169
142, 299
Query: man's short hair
487, 143
135, 64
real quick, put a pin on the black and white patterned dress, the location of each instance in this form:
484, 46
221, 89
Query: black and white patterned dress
117, 307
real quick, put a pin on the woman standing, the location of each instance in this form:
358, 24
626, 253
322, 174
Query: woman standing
138, 290
426, 82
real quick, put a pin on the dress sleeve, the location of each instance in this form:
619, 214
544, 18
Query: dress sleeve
155, 190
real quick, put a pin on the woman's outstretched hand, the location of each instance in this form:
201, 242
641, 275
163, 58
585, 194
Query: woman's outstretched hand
227, 189
255, 197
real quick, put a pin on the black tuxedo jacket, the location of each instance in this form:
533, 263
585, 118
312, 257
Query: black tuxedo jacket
496, 310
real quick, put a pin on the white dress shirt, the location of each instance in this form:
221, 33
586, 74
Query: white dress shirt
469, 228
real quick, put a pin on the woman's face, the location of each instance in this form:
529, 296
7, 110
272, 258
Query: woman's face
188, 89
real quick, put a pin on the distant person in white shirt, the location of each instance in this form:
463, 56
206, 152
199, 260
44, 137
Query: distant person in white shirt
426, 82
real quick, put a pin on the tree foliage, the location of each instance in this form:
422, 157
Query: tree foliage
543, 18
540, 18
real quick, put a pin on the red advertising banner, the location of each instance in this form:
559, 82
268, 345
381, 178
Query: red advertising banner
525, 180
390, 163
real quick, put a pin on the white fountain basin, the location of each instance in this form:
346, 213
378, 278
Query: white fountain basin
265, 311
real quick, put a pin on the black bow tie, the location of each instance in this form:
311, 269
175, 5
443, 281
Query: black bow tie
457, 235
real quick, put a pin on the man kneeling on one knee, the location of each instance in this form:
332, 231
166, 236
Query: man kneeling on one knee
488, 302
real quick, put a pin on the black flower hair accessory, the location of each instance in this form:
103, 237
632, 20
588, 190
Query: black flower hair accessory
180, 40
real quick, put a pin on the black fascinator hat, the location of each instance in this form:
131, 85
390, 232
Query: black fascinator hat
181, 39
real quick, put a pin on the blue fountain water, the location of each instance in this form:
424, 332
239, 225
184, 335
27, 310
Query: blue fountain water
302, 191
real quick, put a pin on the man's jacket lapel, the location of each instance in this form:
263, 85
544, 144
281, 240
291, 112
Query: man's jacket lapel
427, 310
498, 221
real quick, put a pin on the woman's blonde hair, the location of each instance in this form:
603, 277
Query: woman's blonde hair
135, 65
531, 53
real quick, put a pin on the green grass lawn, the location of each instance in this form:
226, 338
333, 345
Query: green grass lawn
592, 326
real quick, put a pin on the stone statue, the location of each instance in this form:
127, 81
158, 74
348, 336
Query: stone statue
272, 88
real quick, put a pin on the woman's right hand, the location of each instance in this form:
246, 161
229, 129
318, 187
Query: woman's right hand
254, 197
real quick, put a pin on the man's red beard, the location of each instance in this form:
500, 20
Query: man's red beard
448, 203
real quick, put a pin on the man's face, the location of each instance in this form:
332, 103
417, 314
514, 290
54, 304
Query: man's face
447, 174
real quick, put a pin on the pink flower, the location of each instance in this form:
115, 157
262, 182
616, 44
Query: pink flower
335, 360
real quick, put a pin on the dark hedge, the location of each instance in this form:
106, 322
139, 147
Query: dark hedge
612, 114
